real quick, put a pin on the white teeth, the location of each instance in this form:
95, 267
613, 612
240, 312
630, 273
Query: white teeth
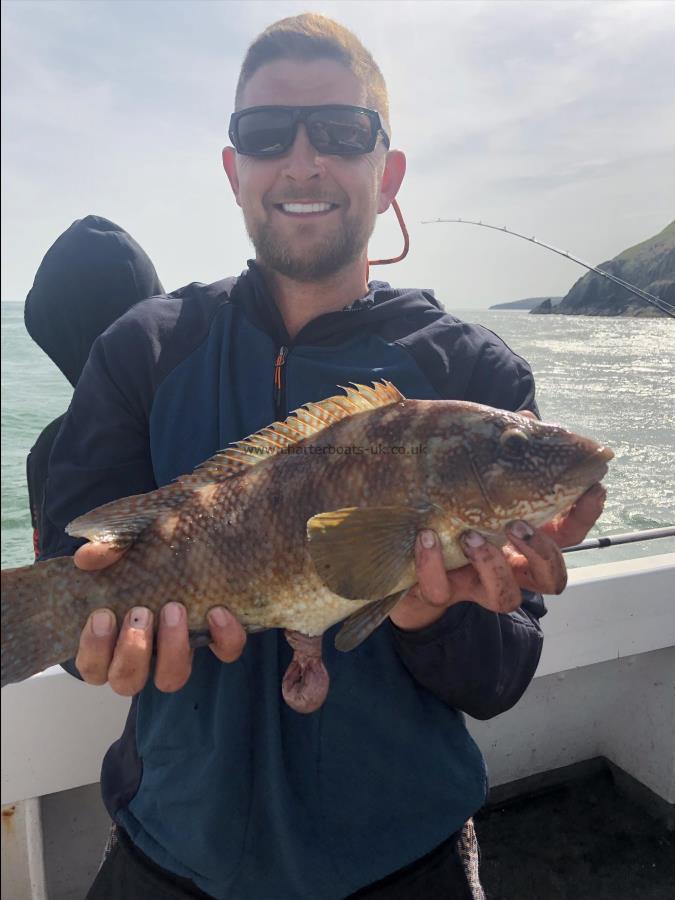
306, 207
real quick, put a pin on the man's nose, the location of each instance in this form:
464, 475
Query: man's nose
302, 161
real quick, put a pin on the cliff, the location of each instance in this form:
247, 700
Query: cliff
649, 265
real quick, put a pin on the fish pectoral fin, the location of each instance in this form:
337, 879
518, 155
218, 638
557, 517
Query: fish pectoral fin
362, 553
364, 621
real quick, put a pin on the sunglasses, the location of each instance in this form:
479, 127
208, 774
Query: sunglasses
336, 129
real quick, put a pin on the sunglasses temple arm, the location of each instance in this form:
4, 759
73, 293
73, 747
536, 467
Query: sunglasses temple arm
406, 241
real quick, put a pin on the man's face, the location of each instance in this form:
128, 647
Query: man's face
304, 245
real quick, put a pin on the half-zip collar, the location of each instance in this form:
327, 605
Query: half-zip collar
382, 303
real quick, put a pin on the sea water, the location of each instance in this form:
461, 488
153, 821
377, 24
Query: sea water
610, 378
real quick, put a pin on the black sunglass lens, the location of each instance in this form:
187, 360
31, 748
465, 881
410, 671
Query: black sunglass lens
341, 131
265, 131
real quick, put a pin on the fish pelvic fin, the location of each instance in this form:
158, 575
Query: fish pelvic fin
43, 610
305, 422
361, 624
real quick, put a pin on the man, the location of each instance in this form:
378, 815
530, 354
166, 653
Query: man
218, 788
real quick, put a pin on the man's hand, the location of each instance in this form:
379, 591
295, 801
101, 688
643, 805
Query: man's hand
124, 659
531, 560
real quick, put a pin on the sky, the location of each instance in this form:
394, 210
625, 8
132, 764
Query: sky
556, 119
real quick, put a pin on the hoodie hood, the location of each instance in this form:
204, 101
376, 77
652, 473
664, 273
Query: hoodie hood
92, 274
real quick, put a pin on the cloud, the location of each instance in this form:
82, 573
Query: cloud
556, 118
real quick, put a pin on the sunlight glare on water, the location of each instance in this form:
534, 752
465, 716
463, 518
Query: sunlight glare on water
613, 379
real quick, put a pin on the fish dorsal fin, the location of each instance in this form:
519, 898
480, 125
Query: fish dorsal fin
305, 422
122, 521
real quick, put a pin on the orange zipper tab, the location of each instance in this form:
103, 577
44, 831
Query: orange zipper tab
278, 363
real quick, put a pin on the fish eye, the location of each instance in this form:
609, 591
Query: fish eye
513, 441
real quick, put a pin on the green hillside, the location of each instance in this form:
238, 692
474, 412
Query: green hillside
649, 265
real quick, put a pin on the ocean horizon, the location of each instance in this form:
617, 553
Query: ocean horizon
610, 378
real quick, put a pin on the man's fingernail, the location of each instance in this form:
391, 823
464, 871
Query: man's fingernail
102, 623
219, 617
427, 539
473, 539
521, 530
172, 614
139, 618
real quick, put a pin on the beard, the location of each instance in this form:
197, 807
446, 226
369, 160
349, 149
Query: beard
318, 259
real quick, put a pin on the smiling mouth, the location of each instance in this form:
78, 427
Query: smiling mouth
306, 209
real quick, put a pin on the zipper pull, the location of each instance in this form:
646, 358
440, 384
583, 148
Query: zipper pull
278, 380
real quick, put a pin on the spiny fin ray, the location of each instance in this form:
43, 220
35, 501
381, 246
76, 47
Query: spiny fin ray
122, 521
305, 422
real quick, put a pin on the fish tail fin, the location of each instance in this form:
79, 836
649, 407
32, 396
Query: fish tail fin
43, 611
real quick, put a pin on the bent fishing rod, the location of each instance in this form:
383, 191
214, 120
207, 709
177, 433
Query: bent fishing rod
639, 292
613, 540
629, 537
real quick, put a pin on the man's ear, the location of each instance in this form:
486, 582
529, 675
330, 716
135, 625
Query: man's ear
230, 166
394, 170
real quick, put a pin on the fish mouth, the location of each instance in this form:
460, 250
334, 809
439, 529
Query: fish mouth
594, 467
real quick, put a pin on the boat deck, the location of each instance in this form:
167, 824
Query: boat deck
584, 839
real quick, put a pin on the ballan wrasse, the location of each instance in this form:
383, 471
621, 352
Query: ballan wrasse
304, 524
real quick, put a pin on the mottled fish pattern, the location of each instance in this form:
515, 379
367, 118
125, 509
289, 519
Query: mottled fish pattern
304, 524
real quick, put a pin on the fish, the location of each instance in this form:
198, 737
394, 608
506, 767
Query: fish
309, 522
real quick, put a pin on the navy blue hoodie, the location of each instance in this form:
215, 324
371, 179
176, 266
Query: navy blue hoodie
221, 782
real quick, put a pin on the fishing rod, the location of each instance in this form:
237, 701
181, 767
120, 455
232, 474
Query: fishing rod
639, 292
630, 537
613, 540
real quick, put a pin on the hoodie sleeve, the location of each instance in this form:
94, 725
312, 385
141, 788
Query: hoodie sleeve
102, 451
475, 660
478, 661
497, 376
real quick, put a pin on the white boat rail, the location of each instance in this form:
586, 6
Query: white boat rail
605, 686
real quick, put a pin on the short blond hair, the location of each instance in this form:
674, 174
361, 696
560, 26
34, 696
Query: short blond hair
312, 36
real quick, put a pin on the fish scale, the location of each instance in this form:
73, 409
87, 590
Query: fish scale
307, 523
